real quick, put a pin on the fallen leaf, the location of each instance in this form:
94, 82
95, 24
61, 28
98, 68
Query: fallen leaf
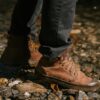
3, 81
72, 98
55, 87
88, 69
30, 87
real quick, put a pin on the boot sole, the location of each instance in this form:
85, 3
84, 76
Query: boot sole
87, 88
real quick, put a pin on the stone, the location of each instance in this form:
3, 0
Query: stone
14, 83
82, 96
30, 87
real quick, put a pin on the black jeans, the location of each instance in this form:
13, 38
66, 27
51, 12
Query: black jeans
57, 19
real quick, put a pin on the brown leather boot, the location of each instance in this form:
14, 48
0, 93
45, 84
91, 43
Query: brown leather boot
15, 55
65, 72
35, 54
19, 52
16, 52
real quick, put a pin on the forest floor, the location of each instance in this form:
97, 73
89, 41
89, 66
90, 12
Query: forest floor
86, 37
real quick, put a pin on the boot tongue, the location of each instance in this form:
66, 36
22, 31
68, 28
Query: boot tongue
67, 63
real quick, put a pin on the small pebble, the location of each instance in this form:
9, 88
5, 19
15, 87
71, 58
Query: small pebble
14, 83
27, 94
82, 95
93, 95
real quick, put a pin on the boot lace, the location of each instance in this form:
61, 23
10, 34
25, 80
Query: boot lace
67, 63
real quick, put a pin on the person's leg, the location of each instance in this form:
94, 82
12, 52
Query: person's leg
56, 65
17, 52
21, 16
57, 19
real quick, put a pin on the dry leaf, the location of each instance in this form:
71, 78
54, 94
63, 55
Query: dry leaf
1, 98
72, 98
55, 87
3, 81
30, 87
88, 69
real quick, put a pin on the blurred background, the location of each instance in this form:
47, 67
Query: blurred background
91, 7
83, 6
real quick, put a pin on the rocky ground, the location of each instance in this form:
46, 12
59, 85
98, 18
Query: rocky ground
86, 40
